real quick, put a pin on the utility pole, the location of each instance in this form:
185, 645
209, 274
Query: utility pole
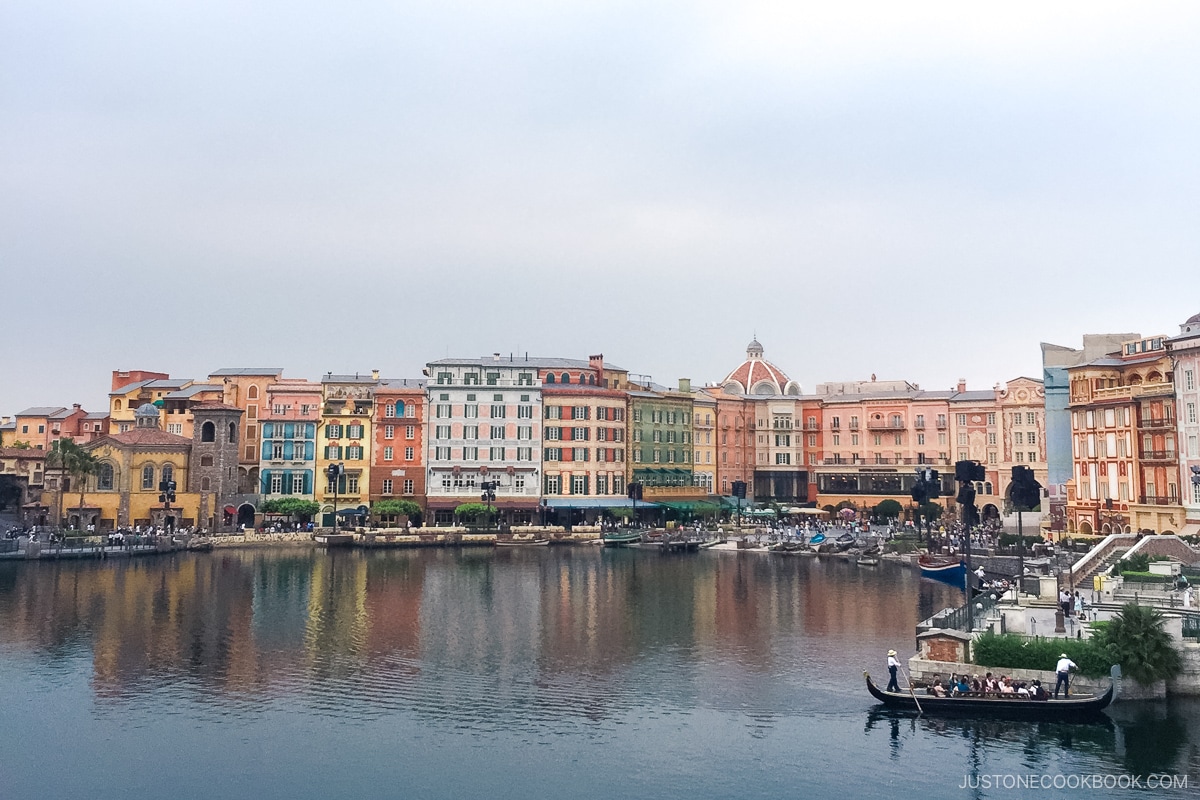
335, 477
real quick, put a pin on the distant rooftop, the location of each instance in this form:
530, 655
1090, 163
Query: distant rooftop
522, 361
251, 371
40, 411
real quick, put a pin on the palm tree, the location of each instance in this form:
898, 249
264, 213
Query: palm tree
84, 466
1137, 641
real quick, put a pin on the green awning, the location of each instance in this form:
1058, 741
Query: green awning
694, 506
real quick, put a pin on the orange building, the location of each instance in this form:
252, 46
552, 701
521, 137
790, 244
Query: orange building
1126, 467
398, 456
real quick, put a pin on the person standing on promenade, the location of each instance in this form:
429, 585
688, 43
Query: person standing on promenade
893, 665
1065, 665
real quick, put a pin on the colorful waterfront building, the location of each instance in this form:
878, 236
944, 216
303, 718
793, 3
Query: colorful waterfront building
1185, 355
125, 491
584, 442
38, 427
398, 454
660, 434
485, 418
344, 439
704, 440
245, 388
132, 389
287, 465
778, 469
1126, 466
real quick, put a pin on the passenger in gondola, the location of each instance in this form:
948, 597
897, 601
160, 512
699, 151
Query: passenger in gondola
1038, 692
937, 689
962, 687
976, 684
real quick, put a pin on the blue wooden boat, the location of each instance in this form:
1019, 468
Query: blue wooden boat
947, 570
817, 538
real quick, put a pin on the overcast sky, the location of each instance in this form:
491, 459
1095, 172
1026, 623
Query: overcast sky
916, 190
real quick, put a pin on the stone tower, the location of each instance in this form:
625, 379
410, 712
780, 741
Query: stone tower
214, 468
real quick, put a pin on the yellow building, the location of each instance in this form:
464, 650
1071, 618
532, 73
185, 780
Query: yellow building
344, 437
704, 440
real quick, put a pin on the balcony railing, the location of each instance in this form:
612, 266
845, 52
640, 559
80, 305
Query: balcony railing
1159, 455
941, 424
1156, 422
811, 426
885, 461
1153, 500
884, 426
1127, 392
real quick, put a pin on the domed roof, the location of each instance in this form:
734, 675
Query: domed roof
1193, 320
757, 376
146, 410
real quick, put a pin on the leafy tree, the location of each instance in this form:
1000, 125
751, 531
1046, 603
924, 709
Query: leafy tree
67, 456
1135, 639
295, 507
82, 467
888, 509
396, 508
475, 513
932, 511
20, 445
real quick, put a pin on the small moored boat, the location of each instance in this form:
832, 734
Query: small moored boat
521, 542
621, 538
947, 570
868, 561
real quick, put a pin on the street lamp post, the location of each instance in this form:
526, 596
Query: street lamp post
488, 494
335, 477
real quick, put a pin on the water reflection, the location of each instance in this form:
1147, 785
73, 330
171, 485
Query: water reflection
528, 643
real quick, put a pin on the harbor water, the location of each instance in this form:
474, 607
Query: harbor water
557, 672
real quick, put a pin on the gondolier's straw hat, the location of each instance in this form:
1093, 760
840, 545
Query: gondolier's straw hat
1064, 655
891, 652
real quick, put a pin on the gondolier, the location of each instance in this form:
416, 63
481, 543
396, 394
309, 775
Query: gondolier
1065, 665
893, 665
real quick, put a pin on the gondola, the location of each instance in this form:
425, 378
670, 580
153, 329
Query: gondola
1000, 706
521, 542
845, 541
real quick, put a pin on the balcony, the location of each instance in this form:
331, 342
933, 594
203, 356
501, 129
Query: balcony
1128, 392
919, 424
1156, 422
1159, 455
812, 426
853, 426
884, 425
941, 424
1152, 500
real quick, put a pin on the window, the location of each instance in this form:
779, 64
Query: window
298, 484
498, 412
1189, 381
470, 454
1031, 437
920, 439
470, 432
496, 453
552, 434
354, 431
471, 379
493, 378
525, 379
352, 484
387, 486
524, 412
1191, 413
579, 454
389, 431
579, 412
276, 484
962, 439
389, 411
104, 478
277, 451
305, 409
441, 453
1018, 438
497, 431
333, 452
148, 476
354, 452
387, 454
580, 434
441, 432
962, 419
553, 484
525, 432
579, 484
1030, 418
333, 431
601, 484
552, 454
783, 458
524, 454
410, 432
408, 486
471, 411
409, 453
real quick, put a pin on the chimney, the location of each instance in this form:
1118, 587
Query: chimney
596, 362
374, 374
685, 385
495, 356
962, 385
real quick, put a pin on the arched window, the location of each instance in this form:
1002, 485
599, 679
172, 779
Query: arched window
208, 432
232, 432
117, 405
566, 378
148, 476
104, 477
168, 472
252, 393
549, 377
400, 409
389, 410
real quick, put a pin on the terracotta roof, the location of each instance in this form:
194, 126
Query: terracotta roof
755, 370
149, 437
22, 452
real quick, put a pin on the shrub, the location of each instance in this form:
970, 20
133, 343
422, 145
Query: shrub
1145, 577
1010, 539
1010, 651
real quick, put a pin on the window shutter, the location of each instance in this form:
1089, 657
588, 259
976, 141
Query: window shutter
265, 480
287, 481
266, 451
289, 450
289, 430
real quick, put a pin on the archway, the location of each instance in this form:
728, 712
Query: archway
1085, 528
990, 512
245, 515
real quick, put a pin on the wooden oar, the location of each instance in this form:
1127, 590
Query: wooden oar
920, 712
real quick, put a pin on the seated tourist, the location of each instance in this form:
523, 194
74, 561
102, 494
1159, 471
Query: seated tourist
962, 687
1038, 692
1022, 691
1006, 686
937, 688
976, 684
